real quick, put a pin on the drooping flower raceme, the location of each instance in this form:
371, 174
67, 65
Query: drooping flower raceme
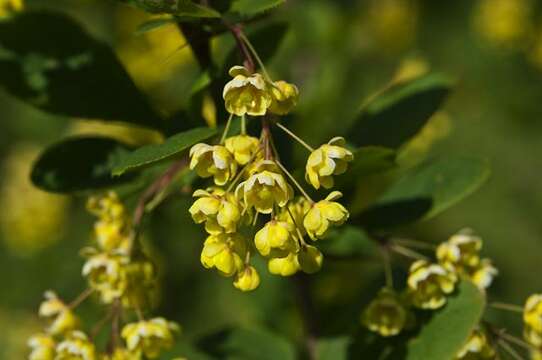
323, 214
247, 93
328, 160
149, 337
428, 284
387, 314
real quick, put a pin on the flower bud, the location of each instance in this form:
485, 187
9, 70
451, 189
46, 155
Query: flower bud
76, 346
225, 252
275, 239
285, 266
247, 279
62, 317
43, 347
477, 347
532, 320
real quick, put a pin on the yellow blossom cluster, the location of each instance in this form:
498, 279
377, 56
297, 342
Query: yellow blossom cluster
121, 276
532, 320
251, 184
113, 270
427, 287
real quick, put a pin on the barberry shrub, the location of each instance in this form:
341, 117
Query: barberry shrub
278, 197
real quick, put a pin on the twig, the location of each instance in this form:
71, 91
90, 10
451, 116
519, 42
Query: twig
81, 298
237, 33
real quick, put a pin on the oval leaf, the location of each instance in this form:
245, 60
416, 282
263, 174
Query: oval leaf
249, 8
448, 330
426, 191
66, 72
154, 153
393, 117
175, 7
78, 164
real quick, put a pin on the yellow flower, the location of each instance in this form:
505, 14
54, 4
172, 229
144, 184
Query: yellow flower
298, 208
106, 274
460, 251
8, 7
285, 266
225, 252
243, 147
76, 346
247, 93
429, 284
63, 318
310, 259
275, 239
482, 275
477, 347
247, 279
149, 336
328, 160
113, 235
107, 207
323, 214
265, 188
141, 283
532, 320
215, 161
461, 254
386, 315
284, 96
43, 347
219, 210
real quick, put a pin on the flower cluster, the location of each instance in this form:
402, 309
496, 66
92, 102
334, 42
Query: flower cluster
250, 183
124, 279
427, 287
114, 270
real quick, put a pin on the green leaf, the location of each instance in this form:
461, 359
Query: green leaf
426, 191
394, 116
78, 164
154, 153
153, 24
245, 344
64, 71
175, 7
447, 331
249, 8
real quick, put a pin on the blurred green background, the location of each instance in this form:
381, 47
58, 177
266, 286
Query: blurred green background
339, 53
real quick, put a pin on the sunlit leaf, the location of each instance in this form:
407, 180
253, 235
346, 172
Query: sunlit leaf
78, 164
154, 153
64, 71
